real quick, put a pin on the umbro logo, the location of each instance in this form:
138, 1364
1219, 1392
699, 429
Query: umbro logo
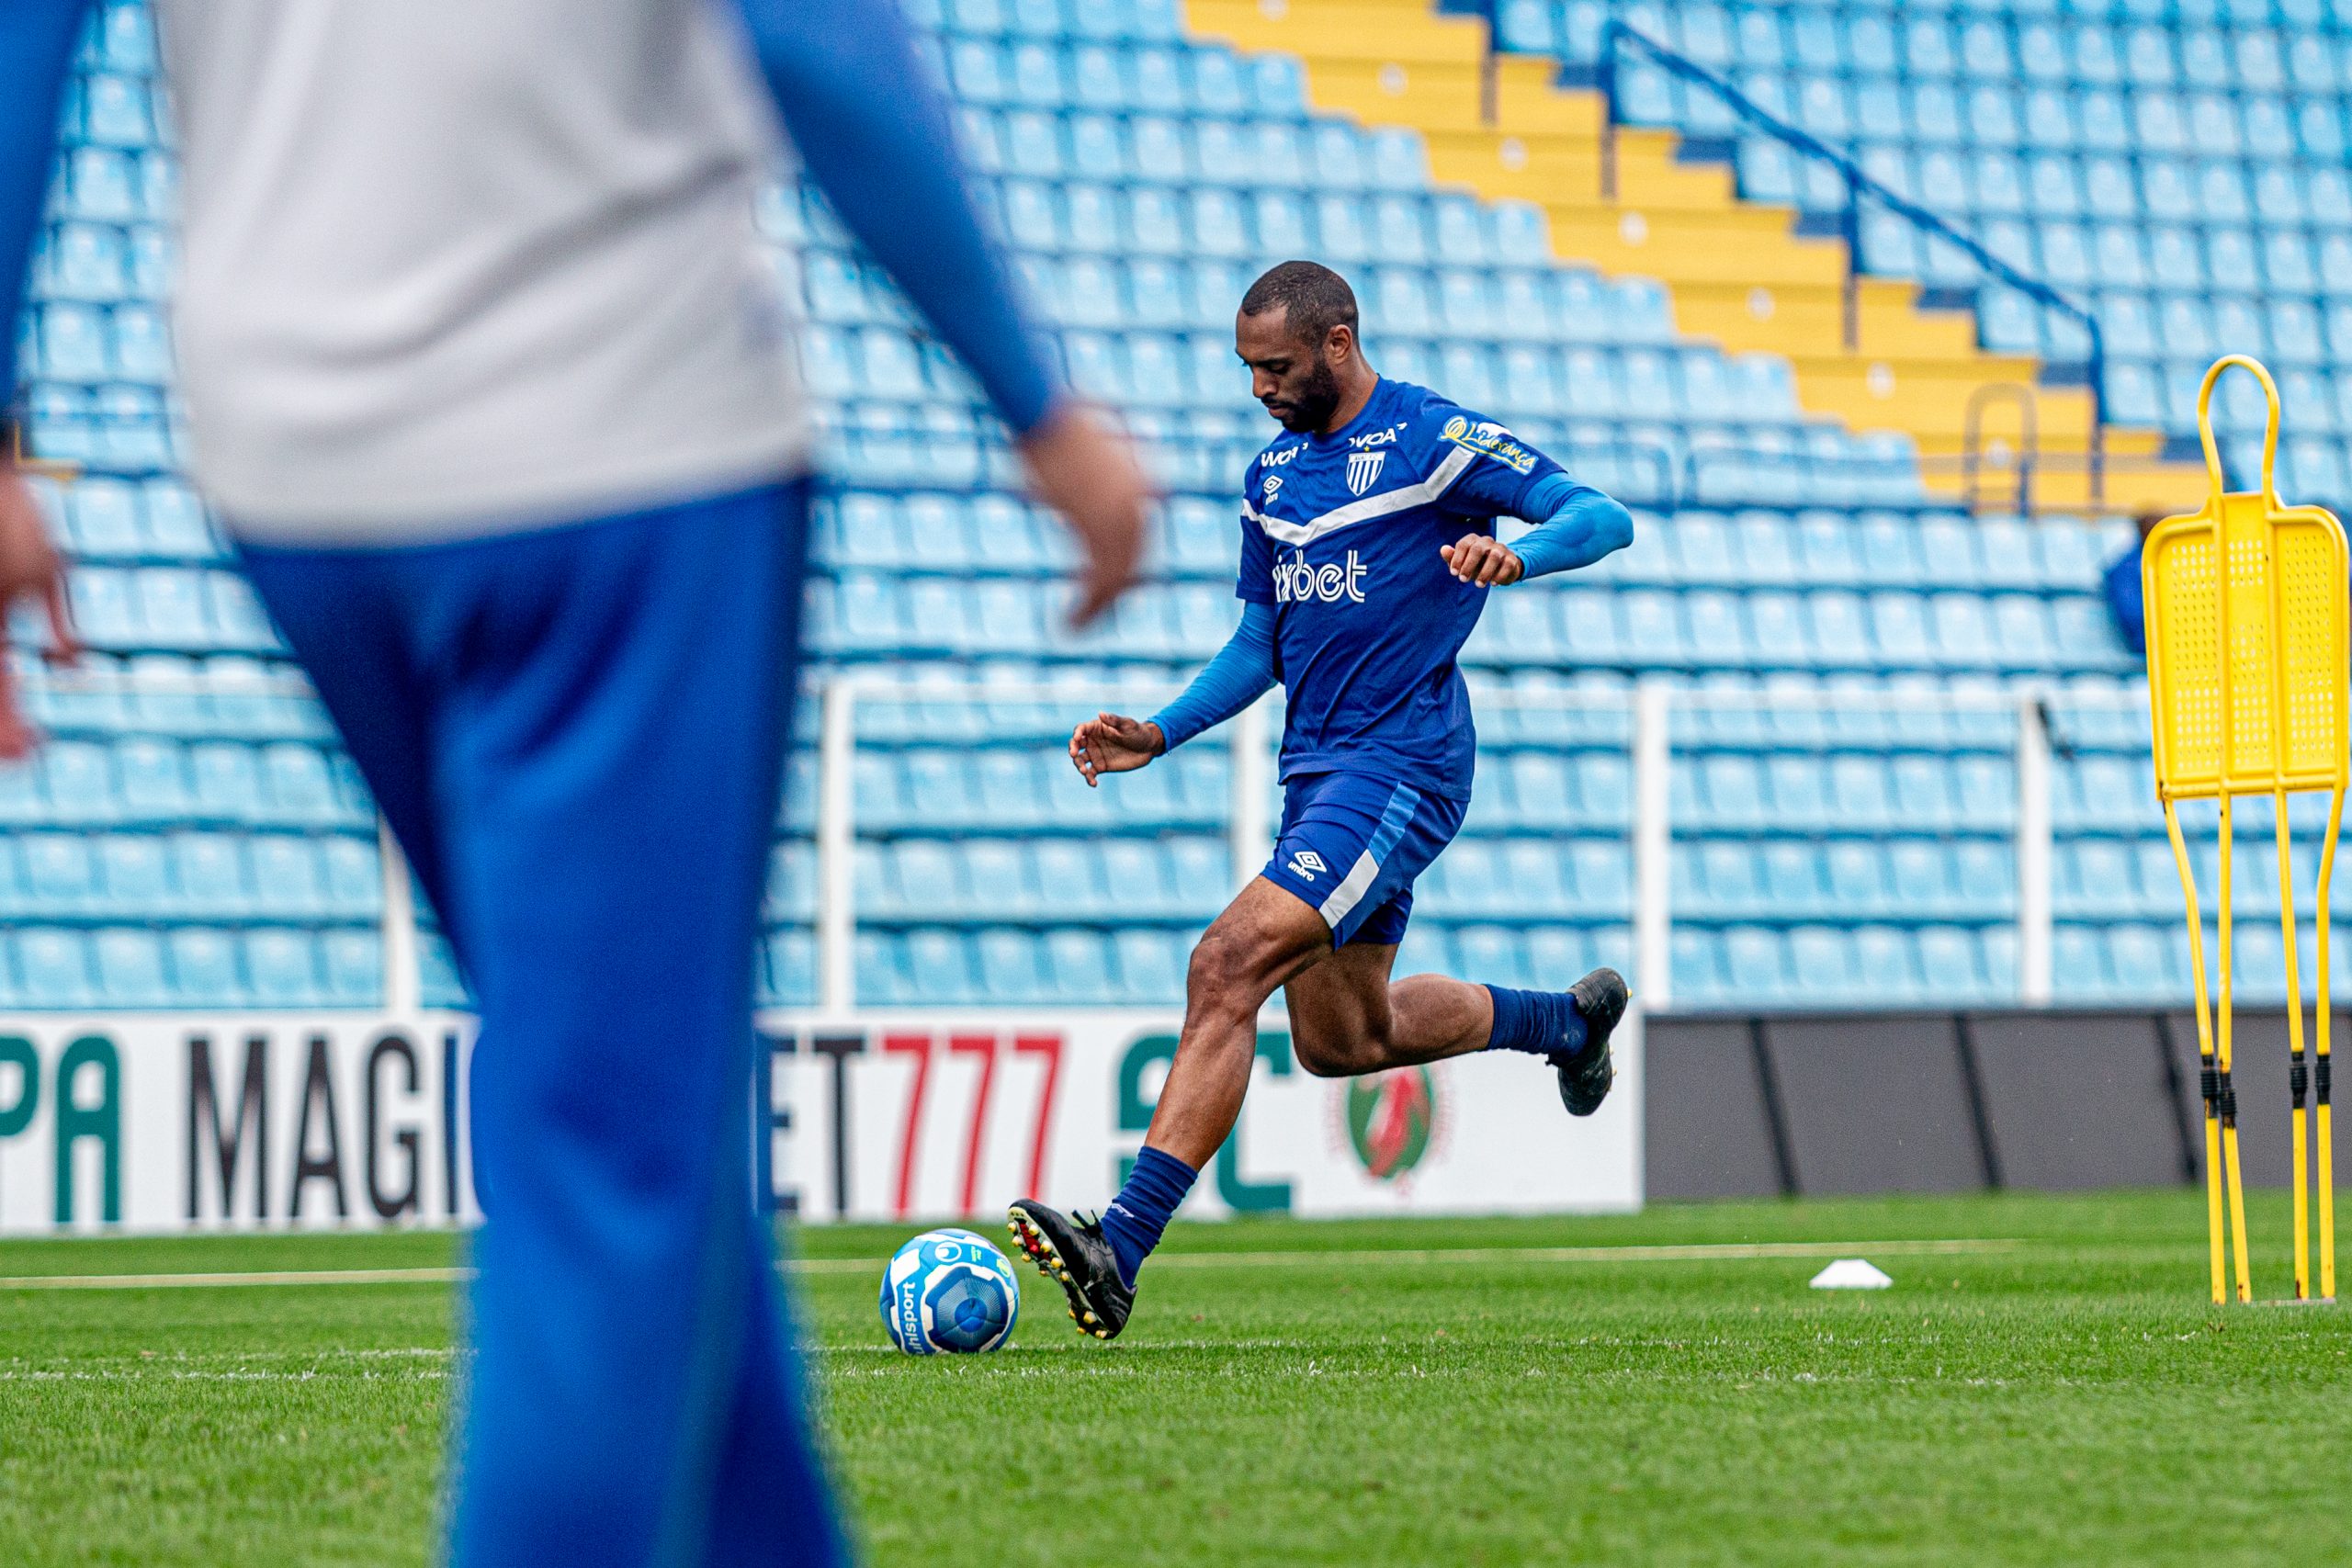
1272, 486
1307, 864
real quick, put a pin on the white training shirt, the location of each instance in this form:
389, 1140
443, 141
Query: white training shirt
460, 266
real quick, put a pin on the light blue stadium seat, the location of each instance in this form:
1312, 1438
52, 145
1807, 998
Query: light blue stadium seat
1150, 964
59, 878
1077, 967
882, 976
1009, 967
203, 966
298, 786
2146, 960
282, 968
790, 979
132, 875
1886, 965
1698, 974
939, 965
1494, 953
1754, 965
354, 964
288, 882
55, 969
208, 871
353, 875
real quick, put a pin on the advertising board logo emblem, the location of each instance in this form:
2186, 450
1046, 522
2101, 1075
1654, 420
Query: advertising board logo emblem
1363, 470
1392, 1119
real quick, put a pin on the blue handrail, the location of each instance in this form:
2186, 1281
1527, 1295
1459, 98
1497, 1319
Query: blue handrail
1616, 36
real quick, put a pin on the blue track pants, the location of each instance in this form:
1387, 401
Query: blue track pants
576, 734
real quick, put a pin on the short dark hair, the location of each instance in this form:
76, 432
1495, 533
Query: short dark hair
1315, 298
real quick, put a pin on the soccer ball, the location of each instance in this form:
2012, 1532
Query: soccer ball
949, 1291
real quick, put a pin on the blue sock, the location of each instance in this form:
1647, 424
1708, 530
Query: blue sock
1144, 1207
1537, 1021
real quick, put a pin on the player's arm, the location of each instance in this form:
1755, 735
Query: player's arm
872, 130
1240, 673
35, 51
1574, 525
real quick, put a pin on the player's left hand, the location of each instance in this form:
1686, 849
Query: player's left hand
1484, 561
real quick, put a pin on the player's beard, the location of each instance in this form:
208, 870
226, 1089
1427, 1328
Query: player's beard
1310, 408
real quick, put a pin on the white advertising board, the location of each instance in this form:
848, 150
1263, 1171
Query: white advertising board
154, 1122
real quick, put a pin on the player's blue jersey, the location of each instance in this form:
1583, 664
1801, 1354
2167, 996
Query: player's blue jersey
1341, 534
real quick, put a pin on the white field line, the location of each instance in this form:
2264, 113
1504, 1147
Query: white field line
1686, 1252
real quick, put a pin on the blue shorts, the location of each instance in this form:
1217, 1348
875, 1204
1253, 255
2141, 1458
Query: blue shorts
1351, 846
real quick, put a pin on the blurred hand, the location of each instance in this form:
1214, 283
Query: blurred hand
1489, 563
1087, 472
1114, 743
29, 569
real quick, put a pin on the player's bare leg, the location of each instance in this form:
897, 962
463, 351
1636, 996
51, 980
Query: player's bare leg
1347, 1018
1265, 937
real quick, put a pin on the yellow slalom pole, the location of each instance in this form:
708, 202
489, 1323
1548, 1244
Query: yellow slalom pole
2207, 1079
2298, 1081
2228, 1095
2326, 1175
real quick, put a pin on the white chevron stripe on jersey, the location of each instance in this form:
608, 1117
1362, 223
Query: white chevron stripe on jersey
1403, 499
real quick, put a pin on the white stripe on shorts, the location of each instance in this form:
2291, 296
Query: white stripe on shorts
1351, 890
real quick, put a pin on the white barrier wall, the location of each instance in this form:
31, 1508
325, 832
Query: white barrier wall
159, 1122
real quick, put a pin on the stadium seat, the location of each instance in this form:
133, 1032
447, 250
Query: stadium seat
203, 966
282, 968
2182, 174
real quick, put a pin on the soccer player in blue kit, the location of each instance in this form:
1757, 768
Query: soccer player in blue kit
1368, 549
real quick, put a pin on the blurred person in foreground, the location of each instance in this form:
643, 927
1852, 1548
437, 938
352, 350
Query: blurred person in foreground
486, 374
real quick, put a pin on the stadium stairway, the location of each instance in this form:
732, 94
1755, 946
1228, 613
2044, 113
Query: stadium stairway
1742, 272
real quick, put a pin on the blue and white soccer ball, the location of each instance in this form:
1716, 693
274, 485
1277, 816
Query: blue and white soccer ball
949, 1291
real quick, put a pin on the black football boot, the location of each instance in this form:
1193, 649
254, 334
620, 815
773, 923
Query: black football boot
1587, 1073
1072, 1251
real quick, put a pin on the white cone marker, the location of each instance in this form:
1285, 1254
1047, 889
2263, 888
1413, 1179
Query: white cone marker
1852, 1274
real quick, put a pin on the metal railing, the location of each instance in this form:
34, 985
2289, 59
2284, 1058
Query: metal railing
1658, 725
1617, 38
1646, 716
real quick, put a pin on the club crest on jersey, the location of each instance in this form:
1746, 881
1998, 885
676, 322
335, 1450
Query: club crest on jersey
1363, 470
1489, 440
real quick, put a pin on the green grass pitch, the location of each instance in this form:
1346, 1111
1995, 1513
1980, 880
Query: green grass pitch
1379, 1392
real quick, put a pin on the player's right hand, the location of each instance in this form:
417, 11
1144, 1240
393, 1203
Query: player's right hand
1114, 743
29, 569
1087, 472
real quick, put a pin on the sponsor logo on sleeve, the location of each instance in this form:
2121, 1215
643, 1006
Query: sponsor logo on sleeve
1489, 440
1308, 866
